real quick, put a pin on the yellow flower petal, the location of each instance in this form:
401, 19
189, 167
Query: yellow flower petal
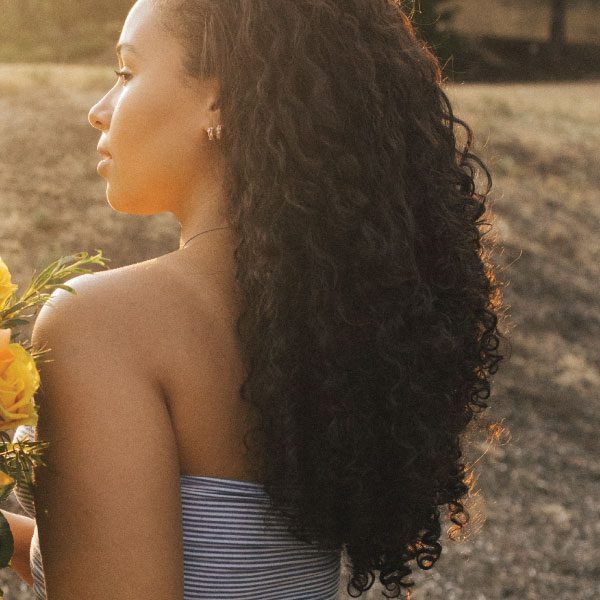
19, 381
5, 479
7, 288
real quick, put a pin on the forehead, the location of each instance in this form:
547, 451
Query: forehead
142, 28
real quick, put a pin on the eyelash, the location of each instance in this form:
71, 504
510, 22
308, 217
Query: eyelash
126, 76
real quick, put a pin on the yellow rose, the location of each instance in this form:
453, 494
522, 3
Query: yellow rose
7, 483
5, 479
6, 357
19, 381
7, 288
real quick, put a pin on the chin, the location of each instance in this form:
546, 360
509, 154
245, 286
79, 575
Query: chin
129, 204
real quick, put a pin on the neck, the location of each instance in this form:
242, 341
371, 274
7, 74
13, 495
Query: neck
211, 252
203, 233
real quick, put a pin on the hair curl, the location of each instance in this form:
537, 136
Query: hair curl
370, 331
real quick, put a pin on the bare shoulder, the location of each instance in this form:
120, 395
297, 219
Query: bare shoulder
173, 328
120, 287
171, 322
125, 304
103, 294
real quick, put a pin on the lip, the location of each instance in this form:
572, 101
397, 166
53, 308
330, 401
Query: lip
106, 157
104, 152
103, 164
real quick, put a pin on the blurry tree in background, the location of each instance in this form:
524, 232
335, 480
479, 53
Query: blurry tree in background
558, 27
558, 23
432, 20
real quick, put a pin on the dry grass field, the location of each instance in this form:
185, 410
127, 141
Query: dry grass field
539, 491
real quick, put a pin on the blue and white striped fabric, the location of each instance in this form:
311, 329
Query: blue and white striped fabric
233, 547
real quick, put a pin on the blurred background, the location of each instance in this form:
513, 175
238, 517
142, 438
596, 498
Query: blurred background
485, 39
525, 75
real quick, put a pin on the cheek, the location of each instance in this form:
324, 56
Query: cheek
156, 155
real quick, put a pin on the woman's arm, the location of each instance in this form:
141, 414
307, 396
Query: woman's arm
21, 528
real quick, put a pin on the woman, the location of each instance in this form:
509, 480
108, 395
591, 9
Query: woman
319, 341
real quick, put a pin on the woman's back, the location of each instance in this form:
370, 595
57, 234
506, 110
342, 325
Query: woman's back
193, 348
185, 331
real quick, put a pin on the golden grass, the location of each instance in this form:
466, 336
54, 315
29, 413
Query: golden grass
20, 77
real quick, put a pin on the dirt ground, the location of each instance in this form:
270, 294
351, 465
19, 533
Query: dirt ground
539, 493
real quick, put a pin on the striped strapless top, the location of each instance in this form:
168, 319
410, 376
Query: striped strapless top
233, 546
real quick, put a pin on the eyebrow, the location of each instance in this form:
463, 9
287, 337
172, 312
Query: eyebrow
126, 47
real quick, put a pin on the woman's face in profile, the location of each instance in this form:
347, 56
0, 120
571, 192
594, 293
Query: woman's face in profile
153, 121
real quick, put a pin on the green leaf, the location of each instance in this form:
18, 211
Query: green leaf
7, 543
65, 287
42, 286
6, 490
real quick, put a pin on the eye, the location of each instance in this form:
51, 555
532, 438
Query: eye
124, 75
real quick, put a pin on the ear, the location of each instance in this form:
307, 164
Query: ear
203, 105
212, 102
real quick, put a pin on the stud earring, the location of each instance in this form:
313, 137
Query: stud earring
211, 133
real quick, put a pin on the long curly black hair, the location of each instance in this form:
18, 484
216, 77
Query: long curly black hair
371, 326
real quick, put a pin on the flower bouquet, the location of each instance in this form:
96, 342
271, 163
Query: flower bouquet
19, 376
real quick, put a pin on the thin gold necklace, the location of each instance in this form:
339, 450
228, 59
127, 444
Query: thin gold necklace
227, 227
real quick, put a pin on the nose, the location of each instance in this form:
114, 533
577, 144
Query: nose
99, 116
